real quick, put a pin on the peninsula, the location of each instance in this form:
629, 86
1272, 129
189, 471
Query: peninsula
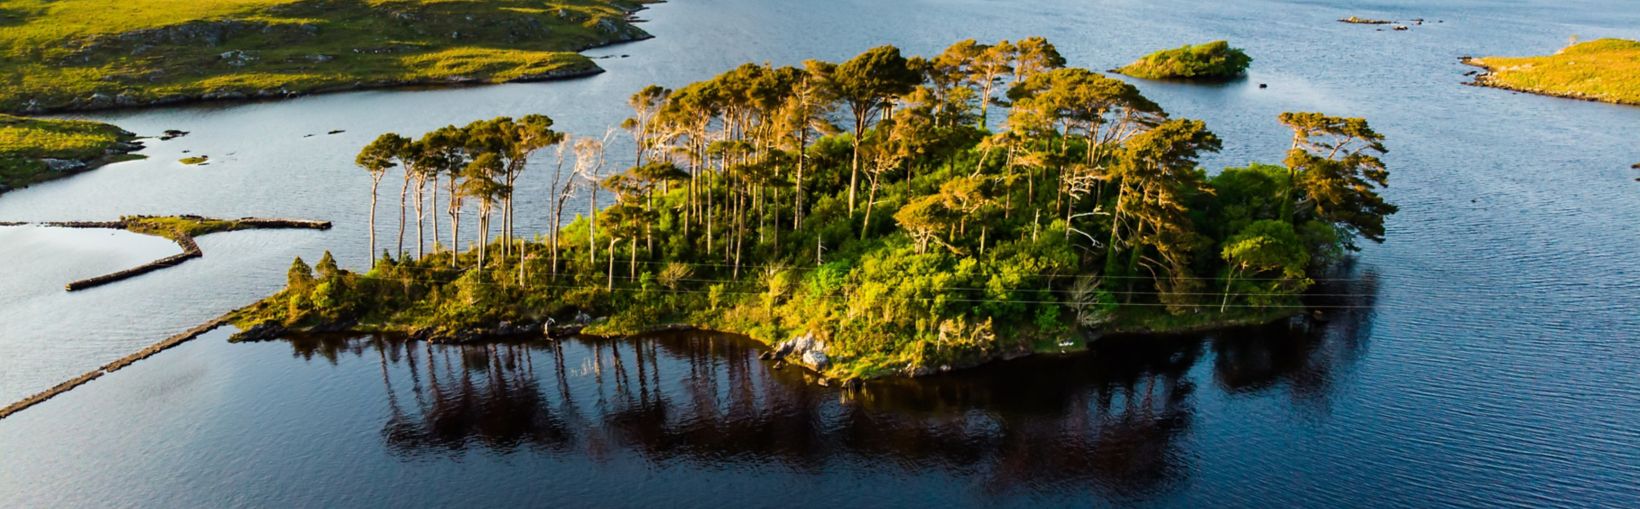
36, 150
63, 55
1605, 70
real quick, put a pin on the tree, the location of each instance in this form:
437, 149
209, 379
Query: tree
1035, 55
1157, 176
377, 158
803, 115
923, 219
866, 84
479, 182
300, 276
990, 64
1265, 246
646, 105
443, 153
1334, 164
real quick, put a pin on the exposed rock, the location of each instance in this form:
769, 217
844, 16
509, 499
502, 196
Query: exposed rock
1357, 20
64, 165
171, 134
816, 360
267, 330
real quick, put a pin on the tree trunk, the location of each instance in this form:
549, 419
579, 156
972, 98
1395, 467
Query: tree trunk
420, 202
610, 285
404, 194
434, 213
373, 185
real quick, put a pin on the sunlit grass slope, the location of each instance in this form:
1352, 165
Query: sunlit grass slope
84, 54
1602, 70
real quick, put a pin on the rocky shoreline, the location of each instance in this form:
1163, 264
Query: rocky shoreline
121, 151
804, 351
1488, 78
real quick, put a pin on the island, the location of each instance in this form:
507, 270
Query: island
91, 54
36, 150
858, 217
1212, 61
1605, 70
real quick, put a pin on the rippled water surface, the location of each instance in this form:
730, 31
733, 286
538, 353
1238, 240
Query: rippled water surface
1492, 362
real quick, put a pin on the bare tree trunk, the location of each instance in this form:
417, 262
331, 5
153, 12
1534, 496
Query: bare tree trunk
434, 213
420, 198
404, 194
610, 285
373, 185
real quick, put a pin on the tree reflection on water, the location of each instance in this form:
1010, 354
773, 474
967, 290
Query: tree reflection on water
1110, 420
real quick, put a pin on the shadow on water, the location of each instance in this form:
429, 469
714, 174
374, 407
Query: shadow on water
1111, 419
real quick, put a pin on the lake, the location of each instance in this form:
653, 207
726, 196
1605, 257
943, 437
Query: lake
1484, 356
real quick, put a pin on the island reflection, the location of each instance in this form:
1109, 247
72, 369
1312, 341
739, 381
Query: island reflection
1109, 421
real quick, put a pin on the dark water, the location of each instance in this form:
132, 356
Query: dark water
1489, 358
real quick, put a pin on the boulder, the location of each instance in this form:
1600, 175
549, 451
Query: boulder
63, 165
816, 360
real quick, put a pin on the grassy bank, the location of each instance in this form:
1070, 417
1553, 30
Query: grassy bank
1606, 70
1214, 61
89, 54
37, 150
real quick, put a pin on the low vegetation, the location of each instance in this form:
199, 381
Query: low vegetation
85, 54
35, 150
178, 227
864, 204
1605, 70
1210, 61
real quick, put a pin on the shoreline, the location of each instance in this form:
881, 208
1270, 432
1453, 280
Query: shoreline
578, 70
775, 352
122, 150
1487, 79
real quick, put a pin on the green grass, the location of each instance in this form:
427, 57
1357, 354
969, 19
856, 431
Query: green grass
81, 54
175, 227
1209, 61
24, 142
1602, 70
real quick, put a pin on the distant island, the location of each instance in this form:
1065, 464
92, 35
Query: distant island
857, 216
67, 55
37, 150
1606, 70
1213, 61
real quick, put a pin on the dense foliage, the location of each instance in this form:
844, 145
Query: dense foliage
1210, 61
67, 54
1602, 70
865, 203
